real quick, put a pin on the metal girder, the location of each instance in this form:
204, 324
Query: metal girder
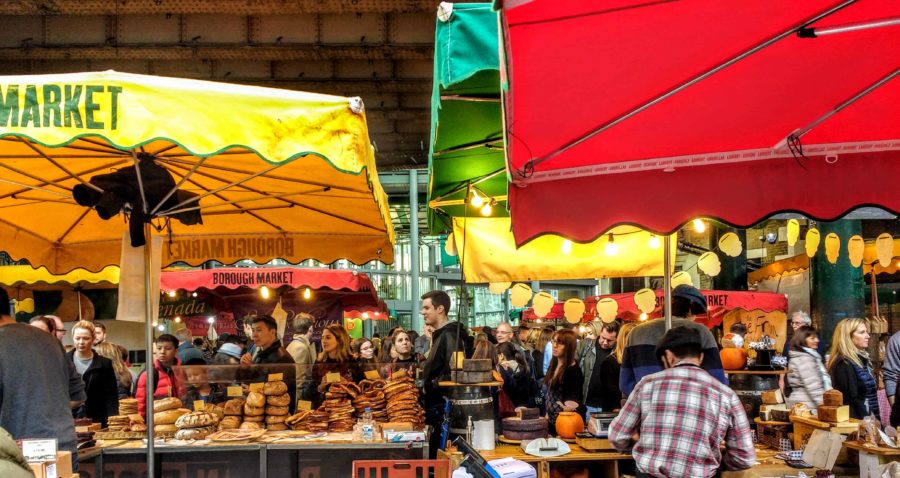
304, 52
239, 7
342, 86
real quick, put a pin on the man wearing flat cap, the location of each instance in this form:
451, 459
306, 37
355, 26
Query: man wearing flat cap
638, 360
675, 420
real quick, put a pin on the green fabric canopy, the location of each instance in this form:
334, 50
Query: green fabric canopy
466, 123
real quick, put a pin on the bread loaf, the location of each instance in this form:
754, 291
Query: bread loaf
276, 427
278, 411
234, 406
229, 422
194, 433
196, 420
256, 399
169, 403
250, 426
169, 417
833, 398
255, 418
276, 419
253, 411
275, 388
165, 428
279, 400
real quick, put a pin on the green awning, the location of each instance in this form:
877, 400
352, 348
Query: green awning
466, 124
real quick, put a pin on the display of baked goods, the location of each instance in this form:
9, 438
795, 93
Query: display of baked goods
372, 397
230, 422
128, 406
278, 400
276, 427
236, 435
168, 403
255, 399
275, 388
270, 419
253, 411
166, 428
250, 426
194, 433
118, 423
168, 417
254, 418
234, 407
402, 398
274, 410
197, 420
338, 406
518, 428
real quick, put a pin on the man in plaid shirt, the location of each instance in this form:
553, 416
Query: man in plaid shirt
677, 419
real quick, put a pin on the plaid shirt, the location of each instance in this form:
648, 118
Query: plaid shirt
682, 415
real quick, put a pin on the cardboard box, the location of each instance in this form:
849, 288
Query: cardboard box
46, 469
64, 464
394, 436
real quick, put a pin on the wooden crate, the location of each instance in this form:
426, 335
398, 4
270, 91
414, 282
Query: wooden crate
771, 433
804, 426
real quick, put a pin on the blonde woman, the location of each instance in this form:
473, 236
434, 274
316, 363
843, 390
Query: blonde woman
97, 373
851, 369
123, 374
610, 395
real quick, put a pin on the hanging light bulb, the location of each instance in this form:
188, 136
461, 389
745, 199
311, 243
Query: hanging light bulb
193, 294
539, 320
177, 319
699, 226
172, 293
487, 209
161, 328
155, 323
307, 294
643, 316
211, 319
264, 292
566, 246
654, 242
476, 201
611, 247
365, 315
581, 329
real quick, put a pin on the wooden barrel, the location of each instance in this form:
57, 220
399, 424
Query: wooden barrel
469, 401
749, 389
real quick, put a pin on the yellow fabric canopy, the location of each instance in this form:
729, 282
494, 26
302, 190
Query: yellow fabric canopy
17, 276
870, 259
488, 254
280, 174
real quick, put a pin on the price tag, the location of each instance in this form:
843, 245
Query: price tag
257, 387
274, 377
303, 405
235, 391
39, 450
372, 375
199, 405
332, 377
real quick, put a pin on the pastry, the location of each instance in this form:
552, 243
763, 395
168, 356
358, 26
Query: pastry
256, 399
169, 417
164, 404
255, 418
235, 406
194, 433
275, 388
250, 426
253, 411
277, 427
279, 400
278, 411
229, 422
138, 427
275, 419
196, 420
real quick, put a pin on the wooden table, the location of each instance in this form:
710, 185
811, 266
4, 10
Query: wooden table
757, 372
609, 458
871, 457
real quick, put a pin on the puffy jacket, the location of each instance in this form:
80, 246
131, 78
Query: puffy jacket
101, 387
805, 379
166, 385
12, 463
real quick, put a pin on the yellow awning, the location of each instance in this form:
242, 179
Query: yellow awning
488, 254
18, 276
280, 174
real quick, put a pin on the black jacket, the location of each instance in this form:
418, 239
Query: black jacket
847, 382
278, 359
101, 387
437, 366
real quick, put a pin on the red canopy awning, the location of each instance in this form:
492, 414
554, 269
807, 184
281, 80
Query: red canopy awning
653, 113
719, 302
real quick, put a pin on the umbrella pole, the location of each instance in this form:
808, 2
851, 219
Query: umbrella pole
667, 281
148, 318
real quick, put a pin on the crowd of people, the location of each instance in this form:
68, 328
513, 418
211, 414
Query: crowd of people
660, 382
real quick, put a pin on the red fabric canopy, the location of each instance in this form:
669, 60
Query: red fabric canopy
716, 148
719, 302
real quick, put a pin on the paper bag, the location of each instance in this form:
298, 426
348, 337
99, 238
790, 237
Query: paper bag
132, 288
822, 449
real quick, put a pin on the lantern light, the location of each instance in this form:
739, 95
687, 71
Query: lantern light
173, 293
643, 316
611, 247
155, 323
211, 319
193, 294
264, 292
477, 201
539, 320
307, 293
566, 246
161, 328
177, 319
487, 209
365, 315
699, 226
654, 241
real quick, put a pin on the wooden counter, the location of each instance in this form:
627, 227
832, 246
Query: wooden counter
871, 458
542, 463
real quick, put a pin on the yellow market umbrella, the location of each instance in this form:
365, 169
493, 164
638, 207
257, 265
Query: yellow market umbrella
22, 276
488, 254
278, 174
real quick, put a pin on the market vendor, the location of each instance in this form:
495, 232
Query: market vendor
401, 354
335, 358
270, 351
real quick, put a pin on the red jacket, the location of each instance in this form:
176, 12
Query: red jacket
166, 385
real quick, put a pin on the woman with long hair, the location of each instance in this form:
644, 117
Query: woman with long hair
564, 381
537, 339
401, 354
851, 368
518, 378
335, 357
807, 377
123, 374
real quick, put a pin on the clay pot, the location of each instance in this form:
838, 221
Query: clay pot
568, 424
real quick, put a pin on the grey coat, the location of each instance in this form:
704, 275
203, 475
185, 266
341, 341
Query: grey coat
805, 379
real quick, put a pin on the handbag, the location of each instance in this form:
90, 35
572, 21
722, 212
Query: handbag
506, 407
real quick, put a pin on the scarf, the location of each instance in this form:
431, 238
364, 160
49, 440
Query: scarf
826, 379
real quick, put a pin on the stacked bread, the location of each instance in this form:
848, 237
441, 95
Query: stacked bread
128, 406
277, 403
371, 396
127, 423
165, 412
254, 411
339, 407
527, 425
196, 425
402, 398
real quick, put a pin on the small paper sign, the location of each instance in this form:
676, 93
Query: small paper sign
303, 405
274, 377
372, 375
199, 405
235, 391
332, 377
257, 387
36, 451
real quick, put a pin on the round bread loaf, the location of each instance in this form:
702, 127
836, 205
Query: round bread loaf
277, 411
250, 426
516, 424
168, 403
517, 435
279, 400
275, 388
528, 413
169, 417
256, 399
253, 411
229, 422
196, 420
255, 418
275, 419
235, 406
276, 427
165, 428
194, 433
